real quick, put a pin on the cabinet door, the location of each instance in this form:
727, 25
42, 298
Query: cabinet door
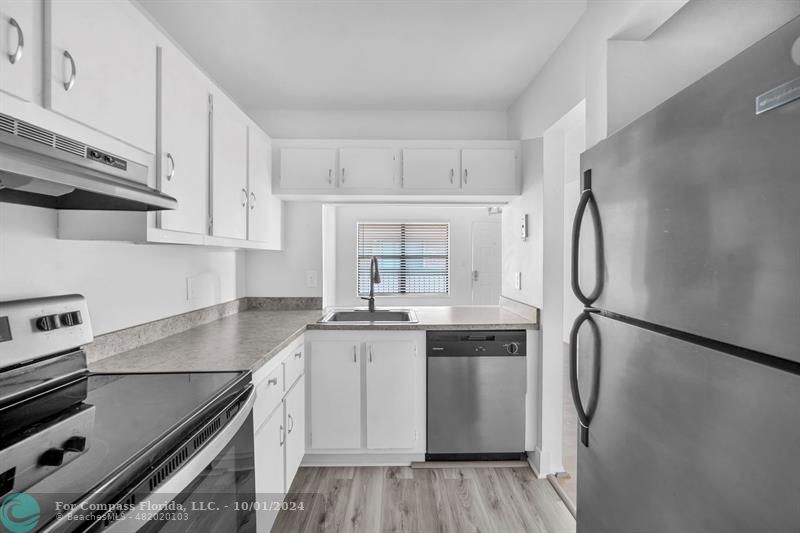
269, 465
489, 170
228, 170
265, 214
102, 68
430, 168
390, 394
366, 168
18, 48
308, 168
295, 429
335, 395
183, 150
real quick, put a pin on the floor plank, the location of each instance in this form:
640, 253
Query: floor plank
429, 500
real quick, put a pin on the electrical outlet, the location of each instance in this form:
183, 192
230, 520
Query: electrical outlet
311, 278
518, 280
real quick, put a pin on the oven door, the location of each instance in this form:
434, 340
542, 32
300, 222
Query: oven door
213, 491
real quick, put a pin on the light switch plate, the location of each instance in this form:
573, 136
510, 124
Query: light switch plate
518, 280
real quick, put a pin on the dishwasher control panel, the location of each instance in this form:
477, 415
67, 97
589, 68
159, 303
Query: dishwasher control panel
476, 343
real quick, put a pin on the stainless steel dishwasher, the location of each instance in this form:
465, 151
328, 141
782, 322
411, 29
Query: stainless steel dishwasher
476, 395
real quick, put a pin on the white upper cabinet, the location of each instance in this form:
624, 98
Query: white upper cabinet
489, 170
308, 168
102, 68
229, 192
431, 168
390, 395
335, 372
366, 168
183, 148
19, 48
264, 222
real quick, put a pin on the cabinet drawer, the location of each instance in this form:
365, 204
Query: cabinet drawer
294, 364
269, 392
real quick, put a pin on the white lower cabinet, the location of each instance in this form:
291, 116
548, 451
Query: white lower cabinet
279, 438
335, 373
367, 394
390, 387
295, 409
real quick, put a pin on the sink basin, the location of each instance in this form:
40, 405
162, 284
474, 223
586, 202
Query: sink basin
365, 316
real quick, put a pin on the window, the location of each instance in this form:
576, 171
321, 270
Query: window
413, 258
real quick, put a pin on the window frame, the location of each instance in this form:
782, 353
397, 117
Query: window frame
409, 294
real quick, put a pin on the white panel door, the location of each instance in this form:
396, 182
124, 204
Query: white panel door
229, 194
102, 68
335, 384
269, 446
265, 213
295, 429
19, 45
489, 170
486, 263
390, 395
183, 151
308, 168
366, 168
430, 168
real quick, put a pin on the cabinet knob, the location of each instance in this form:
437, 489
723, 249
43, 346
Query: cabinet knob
17, 54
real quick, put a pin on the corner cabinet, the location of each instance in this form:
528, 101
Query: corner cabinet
100, 68
366, 396
265, 211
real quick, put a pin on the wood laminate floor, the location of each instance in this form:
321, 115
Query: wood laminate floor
402, 499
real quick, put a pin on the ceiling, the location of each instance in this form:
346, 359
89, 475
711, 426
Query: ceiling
370, 54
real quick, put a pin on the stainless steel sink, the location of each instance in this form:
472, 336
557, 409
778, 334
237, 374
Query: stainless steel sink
401, 316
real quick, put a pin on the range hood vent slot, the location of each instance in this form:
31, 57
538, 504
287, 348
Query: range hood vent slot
42, 168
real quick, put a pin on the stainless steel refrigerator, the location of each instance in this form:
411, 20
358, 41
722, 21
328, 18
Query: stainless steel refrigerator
685, 365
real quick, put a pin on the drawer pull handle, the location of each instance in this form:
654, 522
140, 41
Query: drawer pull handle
272, 381
298, 355
282, 435
291, 423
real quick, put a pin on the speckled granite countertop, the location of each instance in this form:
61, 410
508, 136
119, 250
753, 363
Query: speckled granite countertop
244, 341
249, 339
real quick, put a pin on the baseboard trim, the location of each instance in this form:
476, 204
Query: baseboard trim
469, 464
376, 459
563, 495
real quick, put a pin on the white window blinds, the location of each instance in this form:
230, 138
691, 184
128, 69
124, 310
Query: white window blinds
413, 258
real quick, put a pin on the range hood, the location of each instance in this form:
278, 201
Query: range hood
42, 168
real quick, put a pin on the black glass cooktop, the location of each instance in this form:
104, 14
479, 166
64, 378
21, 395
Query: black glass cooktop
113, 417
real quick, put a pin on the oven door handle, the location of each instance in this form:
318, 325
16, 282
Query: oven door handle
181, 479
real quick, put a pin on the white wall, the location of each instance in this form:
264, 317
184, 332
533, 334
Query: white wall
622, 79
518, 255
284, 273
125, 284
460, 219
700, 37
355, 124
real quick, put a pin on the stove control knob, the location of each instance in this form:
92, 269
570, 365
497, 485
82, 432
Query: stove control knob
75, 444
52, 457
512, 348
48, 322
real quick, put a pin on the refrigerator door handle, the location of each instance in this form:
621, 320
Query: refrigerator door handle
587, 199
584, 412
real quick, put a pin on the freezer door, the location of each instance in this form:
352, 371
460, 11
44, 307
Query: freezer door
684, 439
699, 207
